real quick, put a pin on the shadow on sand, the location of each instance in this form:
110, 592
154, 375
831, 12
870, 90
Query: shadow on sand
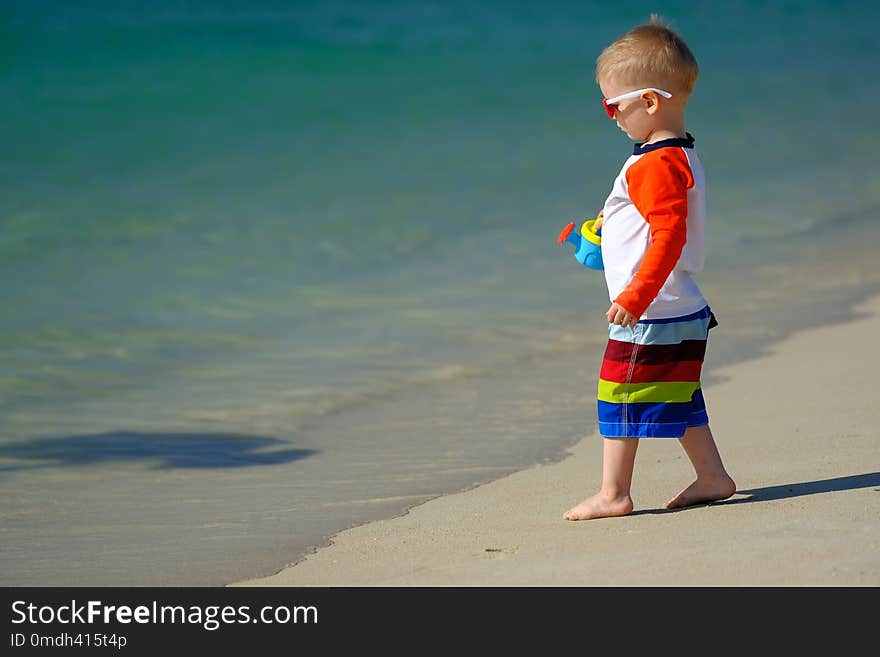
170, 450
769, 493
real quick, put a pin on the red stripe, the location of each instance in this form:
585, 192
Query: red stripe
617, 371
656, 354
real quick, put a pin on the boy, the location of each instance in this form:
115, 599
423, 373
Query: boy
652, 242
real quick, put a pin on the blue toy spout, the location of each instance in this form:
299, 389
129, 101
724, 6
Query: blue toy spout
574, 238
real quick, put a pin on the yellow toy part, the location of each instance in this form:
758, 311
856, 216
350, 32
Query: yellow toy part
591, 233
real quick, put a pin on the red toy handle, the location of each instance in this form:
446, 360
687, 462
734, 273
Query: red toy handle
565, 233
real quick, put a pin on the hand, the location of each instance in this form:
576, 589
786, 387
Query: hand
599, 219
621, 316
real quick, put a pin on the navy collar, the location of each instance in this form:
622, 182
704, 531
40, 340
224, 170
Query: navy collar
681, 142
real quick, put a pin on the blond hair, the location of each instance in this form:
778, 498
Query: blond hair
650, 55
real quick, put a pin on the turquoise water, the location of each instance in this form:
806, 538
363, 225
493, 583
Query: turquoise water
274, 269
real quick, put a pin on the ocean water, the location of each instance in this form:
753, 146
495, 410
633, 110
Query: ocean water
271, 270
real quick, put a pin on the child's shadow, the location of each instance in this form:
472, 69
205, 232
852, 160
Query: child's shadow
852, 482
161, 450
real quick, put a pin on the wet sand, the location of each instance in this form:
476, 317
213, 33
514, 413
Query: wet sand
795, 429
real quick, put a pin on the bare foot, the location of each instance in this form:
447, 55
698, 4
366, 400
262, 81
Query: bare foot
600, 506
704, 490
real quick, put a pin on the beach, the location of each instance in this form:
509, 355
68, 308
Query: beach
795, 428
278, 273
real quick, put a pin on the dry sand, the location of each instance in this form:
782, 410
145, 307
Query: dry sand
795, 429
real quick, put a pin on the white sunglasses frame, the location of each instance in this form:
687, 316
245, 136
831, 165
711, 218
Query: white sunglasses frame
608, 102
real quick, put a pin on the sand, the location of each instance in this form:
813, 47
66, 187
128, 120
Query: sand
795, 429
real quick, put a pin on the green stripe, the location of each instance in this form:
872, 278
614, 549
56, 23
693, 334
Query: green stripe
659, 391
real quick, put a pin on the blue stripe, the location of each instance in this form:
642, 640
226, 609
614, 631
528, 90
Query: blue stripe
618, 430
651, 420
698, 415
645, 412
698, 419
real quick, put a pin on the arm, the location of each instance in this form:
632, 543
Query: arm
658, 185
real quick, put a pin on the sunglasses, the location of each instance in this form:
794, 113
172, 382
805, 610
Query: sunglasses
609, 103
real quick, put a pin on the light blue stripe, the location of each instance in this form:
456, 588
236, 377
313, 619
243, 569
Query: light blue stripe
670, 333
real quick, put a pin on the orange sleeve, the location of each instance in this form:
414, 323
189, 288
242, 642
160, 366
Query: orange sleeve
658, 184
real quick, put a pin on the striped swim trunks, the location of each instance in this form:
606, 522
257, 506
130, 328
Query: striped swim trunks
649, 386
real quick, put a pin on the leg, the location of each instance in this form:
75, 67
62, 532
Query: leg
613, 499
713, 482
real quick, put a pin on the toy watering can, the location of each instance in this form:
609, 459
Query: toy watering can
587, 243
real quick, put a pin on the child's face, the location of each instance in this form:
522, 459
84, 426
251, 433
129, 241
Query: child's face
635, 116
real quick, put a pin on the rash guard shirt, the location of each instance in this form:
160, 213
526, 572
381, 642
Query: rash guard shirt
653, 233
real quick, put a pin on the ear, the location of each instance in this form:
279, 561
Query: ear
652, 102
